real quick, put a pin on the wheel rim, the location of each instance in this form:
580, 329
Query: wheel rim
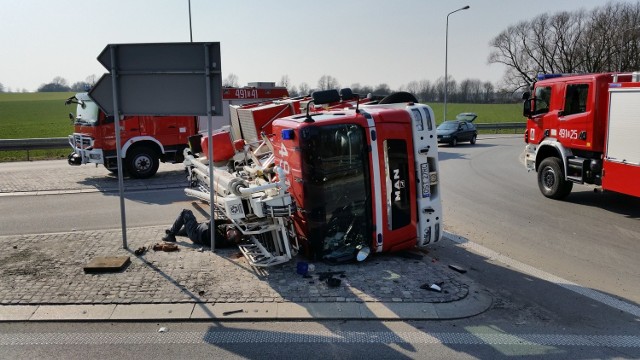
143, 163
548, 178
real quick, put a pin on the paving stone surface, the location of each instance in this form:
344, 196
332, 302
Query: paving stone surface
48, 268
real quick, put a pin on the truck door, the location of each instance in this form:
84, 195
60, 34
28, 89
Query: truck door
395, 144
575, 121
129, 127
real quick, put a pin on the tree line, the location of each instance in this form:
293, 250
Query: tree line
605, 39
465, 91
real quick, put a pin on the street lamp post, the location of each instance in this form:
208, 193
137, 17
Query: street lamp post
446, 53
190, 32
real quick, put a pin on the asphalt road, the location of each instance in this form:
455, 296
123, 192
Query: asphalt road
511, 236
592, 239
91, 211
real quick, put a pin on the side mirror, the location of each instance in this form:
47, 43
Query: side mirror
71, 116
526, 108
526, 95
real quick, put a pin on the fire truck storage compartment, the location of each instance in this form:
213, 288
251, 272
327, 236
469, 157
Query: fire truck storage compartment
622, 157
223, 149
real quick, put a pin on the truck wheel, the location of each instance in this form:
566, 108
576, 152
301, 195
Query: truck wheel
454, 142
142, 162
551, 179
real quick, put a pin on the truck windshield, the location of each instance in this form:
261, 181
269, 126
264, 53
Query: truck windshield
335, 167
87, 113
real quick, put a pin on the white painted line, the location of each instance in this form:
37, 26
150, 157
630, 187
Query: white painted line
569, 285
322, 336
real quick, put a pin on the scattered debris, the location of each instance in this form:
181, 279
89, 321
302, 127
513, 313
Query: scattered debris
15, 246
226, 313
200, 250
458, 268
201, 293
437, 287
302, 268
333, 282
328, 274
168, 247
140, 251
163, 329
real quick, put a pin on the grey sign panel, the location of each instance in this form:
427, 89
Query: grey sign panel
158, 94
161, 79
162, 57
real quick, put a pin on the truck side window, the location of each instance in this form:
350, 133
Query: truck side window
575, 101
543, 99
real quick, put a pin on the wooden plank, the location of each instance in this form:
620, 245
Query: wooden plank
107, 264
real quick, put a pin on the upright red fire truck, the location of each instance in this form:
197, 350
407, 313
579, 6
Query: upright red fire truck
337, 179
147, 140
583, 129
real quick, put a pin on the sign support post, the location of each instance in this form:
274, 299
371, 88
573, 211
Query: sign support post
116, 123
212, 223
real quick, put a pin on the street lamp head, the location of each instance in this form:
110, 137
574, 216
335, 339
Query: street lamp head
466, 7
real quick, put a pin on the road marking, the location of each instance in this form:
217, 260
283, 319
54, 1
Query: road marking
323, 336
569, 285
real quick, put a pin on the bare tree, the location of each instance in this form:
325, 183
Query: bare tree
303, 89
284, 81
604, 39
327, 82
230, 81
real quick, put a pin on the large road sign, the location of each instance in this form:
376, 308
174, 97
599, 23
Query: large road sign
160, 79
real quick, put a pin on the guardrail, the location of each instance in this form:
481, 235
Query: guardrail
33, 144
61, 143
502, 126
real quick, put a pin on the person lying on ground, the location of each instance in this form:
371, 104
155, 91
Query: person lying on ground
199, 233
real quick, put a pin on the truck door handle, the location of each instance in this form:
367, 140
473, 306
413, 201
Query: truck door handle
172, 127
134, 129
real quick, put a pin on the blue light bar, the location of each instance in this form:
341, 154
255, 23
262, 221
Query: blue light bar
287, 134
548, 76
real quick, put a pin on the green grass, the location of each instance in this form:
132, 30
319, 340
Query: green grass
487, 113
34, 115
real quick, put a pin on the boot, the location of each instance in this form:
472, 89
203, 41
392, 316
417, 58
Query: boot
169, 237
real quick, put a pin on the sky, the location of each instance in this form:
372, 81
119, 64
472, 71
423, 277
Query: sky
369, 42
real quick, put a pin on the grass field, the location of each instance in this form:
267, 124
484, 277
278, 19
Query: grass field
44, 115
34, 115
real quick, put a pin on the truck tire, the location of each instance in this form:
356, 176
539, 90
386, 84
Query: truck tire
142, 162
551, 179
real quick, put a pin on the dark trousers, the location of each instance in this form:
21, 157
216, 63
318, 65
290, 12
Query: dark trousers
186, 223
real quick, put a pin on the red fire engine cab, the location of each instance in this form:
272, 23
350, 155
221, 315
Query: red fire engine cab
147, 140
583, 129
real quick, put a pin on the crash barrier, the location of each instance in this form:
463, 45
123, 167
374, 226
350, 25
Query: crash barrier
503, 126
61, 143
33, 144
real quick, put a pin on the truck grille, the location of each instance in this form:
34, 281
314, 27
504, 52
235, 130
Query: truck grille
80, 141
